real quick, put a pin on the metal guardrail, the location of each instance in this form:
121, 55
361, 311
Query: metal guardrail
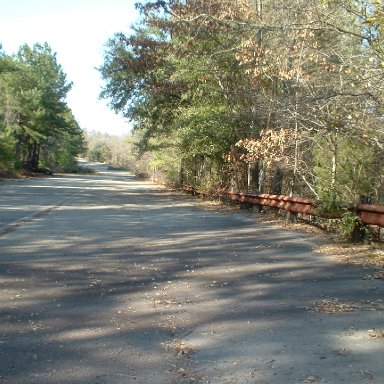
371, 214
368, 214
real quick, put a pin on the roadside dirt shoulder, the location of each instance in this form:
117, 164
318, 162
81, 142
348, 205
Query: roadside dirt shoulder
329, 244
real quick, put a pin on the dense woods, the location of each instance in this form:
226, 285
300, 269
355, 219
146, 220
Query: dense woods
37, 129
260, 95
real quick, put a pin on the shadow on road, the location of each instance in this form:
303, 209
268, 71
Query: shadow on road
128, 283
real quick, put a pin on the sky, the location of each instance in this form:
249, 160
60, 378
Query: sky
77, 31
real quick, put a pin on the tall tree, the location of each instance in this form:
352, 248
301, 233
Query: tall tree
8, 114
33, 106
41, 91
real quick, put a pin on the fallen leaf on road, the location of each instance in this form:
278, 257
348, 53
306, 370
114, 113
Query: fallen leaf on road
310, 379
376, 334
377, 275
333, 306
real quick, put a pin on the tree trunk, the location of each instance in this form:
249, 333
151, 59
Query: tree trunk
181, 172
18, 151
262, 172
253, 172
277, 182
335, 148
292, 183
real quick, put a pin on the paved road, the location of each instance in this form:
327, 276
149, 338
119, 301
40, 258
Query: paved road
120, 281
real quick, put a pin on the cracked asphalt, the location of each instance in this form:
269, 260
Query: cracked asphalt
105, 279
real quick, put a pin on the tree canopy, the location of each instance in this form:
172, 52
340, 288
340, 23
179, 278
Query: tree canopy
264, 95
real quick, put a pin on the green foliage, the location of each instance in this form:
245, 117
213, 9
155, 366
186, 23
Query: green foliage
351, 228
101, 153
165, 165
77, 169
34, 117
176, 91
118, 168
114, 150
6, 151
355, 178
196, 77
347, 225
328, 206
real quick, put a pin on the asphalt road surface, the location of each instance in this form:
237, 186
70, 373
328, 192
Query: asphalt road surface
105, 279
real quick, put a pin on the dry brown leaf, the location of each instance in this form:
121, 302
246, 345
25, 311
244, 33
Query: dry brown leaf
333, 306
376, 334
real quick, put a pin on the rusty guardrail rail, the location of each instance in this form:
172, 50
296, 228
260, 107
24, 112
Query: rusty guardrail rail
368, 214
371, 214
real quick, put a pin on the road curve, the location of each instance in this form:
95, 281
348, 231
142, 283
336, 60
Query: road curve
122, 281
